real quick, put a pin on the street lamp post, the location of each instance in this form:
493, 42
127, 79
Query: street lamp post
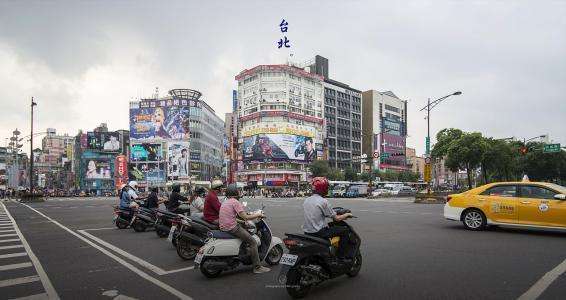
31, 149
428, 108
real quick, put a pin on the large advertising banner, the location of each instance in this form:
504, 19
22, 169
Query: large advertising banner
279, 147
146, 152
159, 122
121, 170
98, 169
105, 141
147, 171
178, 159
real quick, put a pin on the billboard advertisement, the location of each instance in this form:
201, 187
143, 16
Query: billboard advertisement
97, 169
178, 159
103, 141
147, 171
279, 147
121, 170
146, 152
159, 122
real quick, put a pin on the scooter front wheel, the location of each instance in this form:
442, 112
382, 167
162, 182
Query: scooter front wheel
274, 256
293, 284
356, 266
139, 226
185, 250
208, 272
121, 224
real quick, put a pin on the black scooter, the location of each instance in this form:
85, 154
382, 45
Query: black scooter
164, 221
144, 218
312, 260
192, 234
124, 217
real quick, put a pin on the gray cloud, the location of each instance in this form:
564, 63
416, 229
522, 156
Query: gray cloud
84, 61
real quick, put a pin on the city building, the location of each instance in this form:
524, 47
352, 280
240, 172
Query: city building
280, 121
175, 138
96, 154
385, 129
343, 119
53, 165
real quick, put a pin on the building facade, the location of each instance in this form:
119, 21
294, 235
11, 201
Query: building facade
175, 138
385, 129
279, 118
53, 164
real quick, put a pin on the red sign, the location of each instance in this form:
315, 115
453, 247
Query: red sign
121, 170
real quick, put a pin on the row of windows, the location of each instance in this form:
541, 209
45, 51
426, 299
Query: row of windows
525, 191
391, 108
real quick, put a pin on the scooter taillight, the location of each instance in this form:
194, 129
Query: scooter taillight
290, 242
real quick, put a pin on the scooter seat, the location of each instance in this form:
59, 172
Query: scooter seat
309, 238
219, 234
205, 223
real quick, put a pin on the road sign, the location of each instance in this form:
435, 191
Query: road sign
384, 155
427, 143
375, 154
427, 172
427, 160
549, 148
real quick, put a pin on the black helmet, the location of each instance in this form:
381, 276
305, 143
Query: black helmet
200, 191
232, 191
176, 188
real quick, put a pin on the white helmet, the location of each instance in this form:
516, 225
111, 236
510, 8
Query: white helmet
133, 184
216, 183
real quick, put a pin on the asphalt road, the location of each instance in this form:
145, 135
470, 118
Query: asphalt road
409, 252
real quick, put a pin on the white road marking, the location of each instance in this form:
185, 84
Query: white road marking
11, 247
33, 297
542, 284
13, 255
4, 235
15, 266
10, 230
16, 281
102, 228
364, 210
9, 240
47, 286
126, 264
157, 270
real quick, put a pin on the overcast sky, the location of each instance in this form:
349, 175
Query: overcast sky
83, 61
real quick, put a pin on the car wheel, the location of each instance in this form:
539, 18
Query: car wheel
274, 256
474, 219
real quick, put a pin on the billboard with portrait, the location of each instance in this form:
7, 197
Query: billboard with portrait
159, 122
279, 147
146, 152
97, 169
178, 159
103, 141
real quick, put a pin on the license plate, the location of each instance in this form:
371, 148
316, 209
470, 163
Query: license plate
288, 259
198, 258
170, 237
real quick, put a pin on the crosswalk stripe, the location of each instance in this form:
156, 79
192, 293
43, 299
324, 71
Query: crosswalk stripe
15, 266
6, 230
11, 247
13, 255
41, 296
9, 240
11, 234
16, 281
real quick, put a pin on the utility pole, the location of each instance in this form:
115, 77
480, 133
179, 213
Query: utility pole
31, 150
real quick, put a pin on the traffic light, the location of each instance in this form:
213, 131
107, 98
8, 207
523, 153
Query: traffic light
523, 150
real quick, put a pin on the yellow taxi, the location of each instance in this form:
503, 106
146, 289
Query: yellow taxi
528, 204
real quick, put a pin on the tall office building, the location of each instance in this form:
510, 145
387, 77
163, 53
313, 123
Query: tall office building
280, 124
385, 129
343, 116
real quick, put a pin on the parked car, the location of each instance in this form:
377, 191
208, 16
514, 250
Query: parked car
404, 191
339, 192
381, 192
352, 193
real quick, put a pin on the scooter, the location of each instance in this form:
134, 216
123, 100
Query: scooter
192, 235
124, 217
312, 260
164, 222
224, 251
144, 218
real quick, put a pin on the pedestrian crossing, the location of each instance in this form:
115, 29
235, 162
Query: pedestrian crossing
19, 274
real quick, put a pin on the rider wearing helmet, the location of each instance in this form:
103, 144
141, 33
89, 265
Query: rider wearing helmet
211, 202
128, 195
232, 208
317, 209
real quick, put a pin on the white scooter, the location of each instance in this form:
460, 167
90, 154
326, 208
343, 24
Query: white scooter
223, 251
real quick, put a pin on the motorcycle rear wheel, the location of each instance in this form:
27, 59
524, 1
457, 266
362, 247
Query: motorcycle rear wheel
293, 284
121, 224
161, 233
185, 250
139, 226
206, 272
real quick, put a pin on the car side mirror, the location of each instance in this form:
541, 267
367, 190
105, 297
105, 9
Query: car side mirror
560, 196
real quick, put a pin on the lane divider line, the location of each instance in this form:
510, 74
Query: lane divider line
121, 261
47, 286
542, 284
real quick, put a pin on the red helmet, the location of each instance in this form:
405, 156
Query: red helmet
320, 185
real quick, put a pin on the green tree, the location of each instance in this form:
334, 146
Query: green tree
320, 168
466, 153
335, 174
497, 160
444, 140
350, 174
